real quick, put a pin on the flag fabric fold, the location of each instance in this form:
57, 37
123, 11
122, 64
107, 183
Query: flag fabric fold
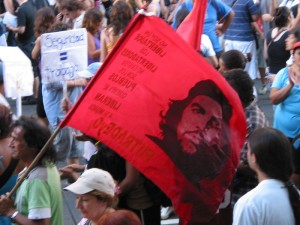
161, 106
191, 27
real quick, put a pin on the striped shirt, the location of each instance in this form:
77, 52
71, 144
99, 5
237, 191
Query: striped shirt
240, 28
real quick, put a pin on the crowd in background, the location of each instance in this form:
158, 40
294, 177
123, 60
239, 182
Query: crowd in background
244, 39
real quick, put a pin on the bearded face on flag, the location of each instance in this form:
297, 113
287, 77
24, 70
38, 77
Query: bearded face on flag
196, 133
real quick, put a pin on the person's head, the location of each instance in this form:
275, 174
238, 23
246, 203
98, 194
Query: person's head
88, 4
121, 14
95, 193
71, 8
270, 151
92, 20
197, 119
292, 39
241, 82
120, 217
44, 19
59, 26
233, 59
282, 16
29, 136
5, 121
296, 53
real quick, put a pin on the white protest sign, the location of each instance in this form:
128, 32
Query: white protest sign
64, 54
17, 70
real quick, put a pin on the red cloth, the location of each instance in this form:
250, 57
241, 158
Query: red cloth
191, 27
125, 103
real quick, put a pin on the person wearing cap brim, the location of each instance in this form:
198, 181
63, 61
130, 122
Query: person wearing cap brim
90, 71
285, 93
95, 195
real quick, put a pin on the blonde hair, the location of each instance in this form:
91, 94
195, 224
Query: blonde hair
112, 201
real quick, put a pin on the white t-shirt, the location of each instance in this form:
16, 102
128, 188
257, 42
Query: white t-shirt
78, 21
267, 204
289, 3
3, 101
206, 46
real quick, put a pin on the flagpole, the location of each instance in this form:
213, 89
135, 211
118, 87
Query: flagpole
34, 162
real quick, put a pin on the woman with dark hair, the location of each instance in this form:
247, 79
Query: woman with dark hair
121, 14
240, 81
289, 44
275, 200
9, 167
274, 49
120, 217
285, 94
92, 21
44, 19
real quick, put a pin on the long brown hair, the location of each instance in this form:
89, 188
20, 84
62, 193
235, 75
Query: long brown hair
44, 19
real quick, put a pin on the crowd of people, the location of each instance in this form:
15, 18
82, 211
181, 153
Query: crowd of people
243, 39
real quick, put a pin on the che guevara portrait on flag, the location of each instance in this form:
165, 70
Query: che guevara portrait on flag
195, 133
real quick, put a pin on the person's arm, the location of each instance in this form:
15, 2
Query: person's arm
278, 95
36, 51
18, 30
267, 17
212, 60
7, 209
92, 51
222, 27
273, 5
140, 3
130, 180
256, 28
265, 49
79, 82
103, 50
21, 19
71, 171
295, 23
9, 6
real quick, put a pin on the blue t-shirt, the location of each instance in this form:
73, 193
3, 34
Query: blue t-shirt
216, 10
240, 28
287, 113
188, 5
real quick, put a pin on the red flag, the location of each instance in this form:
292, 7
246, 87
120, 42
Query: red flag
191, 27
162, 107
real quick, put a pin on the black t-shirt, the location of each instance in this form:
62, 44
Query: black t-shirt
38, 4
294, 10
277, 54
25, 17
2, 8
108, 160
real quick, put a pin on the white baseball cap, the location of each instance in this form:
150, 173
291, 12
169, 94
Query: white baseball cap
90, 70
93, 180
